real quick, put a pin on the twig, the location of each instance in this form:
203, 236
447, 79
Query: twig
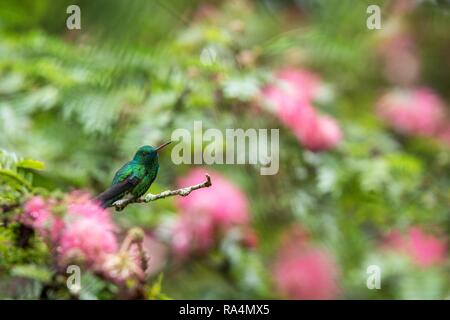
122, 203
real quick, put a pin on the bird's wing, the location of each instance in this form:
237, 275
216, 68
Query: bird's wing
119, 188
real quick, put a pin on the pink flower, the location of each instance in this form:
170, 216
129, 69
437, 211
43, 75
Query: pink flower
193, 233
37, 213
88, 233
321, 134
130, 261
291, 94
305, 272
416, 112
422, 248
207, 212
88, 209
309, 275
223, 201
82, 229
86, 237
123, 265
290, 98
300, 84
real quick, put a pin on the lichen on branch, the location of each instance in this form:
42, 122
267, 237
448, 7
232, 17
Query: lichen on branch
122, 203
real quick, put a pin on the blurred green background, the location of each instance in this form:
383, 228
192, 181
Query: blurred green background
82, 102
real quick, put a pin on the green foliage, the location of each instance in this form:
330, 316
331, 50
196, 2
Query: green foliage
84, 101
14, 172
31, 271
154, 292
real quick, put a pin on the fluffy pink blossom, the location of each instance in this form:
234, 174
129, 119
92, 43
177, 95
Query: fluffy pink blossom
290, 98
88, 233
87, 208
323, 133
81, 229
207, 212
300, 84
130, 261
416, 112
302, 271
223, 201
38, 215
291, 94
194, 232
123, 265
422, 248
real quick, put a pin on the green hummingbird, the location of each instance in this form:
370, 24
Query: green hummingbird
134, 177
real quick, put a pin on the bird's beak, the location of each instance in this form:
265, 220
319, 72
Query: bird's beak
162, 146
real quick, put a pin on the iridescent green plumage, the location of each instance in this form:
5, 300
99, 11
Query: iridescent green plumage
135, 177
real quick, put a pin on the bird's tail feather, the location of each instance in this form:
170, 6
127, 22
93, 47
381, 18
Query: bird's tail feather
115, 192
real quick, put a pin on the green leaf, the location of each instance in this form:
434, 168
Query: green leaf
30, 164
154, 292
14, 178
31, 271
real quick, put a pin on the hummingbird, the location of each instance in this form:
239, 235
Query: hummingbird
135, 177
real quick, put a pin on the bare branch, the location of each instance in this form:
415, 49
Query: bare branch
122, 203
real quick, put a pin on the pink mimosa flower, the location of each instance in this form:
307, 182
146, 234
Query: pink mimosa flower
321, 134
88, 232
302, 271
193, 233
207, 212
423, 249
415, 112
290, 98
300, 84
38, 215
223, 201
